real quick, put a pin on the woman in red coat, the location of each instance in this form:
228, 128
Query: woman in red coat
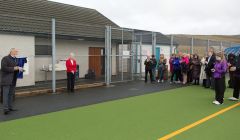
71, 66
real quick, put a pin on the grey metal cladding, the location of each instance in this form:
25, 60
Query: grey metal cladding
34, 16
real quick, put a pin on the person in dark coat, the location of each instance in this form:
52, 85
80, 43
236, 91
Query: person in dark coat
154, 65
210, 61
196, 69
148, 69
236, 84
9, 70
231, 63
176, 70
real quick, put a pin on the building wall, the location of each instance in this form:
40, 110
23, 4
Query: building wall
63, 49
25, 45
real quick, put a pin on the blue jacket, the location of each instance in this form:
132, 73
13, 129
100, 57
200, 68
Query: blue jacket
176, 64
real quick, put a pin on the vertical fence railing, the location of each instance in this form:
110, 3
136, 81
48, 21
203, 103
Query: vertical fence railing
154, 43
141, 57
122, 55
192, 45
108, 55
133, 54
171, 46
53, 55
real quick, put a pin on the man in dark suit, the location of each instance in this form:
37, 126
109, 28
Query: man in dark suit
210, 61
9, 70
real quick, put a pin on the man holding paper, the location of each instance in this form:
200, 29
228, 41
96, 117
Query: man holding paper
9, 70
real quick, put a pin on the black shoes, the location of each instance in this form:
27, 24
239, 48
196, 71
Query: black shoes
7, 111
11, 109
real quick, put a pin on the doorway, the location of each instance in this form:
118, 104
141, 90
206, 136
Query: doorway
97, 61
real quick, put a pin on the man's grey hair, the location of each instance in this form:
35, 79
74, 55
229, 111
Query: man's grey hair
12, 49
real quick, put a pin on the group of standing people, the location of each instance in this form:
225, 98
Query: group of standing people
155, 69
214, 68
185, 68
190, 69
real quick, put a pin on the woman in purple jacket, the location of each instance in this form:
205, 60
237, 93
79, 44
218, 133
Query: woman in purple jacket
219, 71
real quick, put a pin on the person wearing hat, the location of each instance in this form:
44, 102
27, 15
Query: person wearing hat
236, 82
219, 70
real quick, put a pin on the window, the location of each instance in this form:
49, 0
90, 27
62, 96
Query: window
43, 50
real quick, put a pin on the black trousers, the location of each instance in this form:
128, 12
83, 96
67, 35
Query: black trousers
220, 87
8, 94
231, 81
210, 82
190, 76
236, 85
70, 81
146, 75
1, 92
178, 75
196, 81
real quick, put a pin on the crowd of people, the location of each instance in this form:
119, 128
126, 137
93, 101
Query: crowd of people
190, 69
184, 68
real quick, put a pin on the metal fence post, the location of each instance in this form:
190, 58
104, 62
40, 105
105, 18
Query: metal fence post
192, 44
154, 42
141, 56
208, 45
53, 55
132, 56
221, 46
122, 56
171, 47
107, 54
110, 54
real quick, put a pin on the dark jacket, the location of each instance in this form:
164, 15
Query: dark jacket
232, 60
8, 75
196, 68
237, 72
154, 63
148, 64
210, 65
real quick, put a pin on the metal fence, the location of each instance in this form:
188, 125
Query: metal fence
104, 54
191, 45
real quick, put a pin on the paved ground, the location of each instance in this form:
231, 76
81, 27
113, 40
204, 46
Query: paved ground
31, 106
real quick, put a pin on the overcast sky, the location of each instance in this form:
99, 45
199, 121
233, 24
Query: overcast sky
170, 16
